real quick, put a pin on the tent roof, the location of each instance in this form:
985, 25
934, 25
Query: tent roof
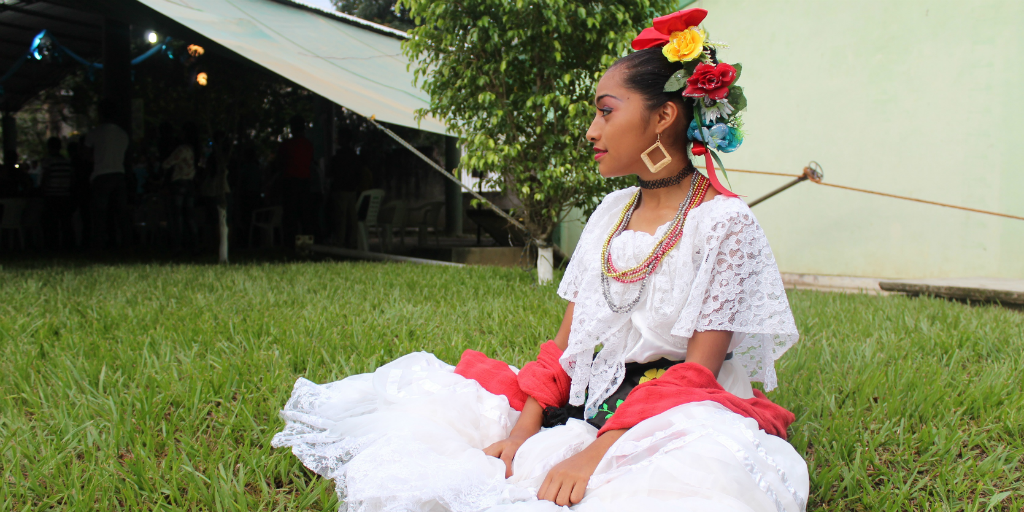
352, 62
20, 21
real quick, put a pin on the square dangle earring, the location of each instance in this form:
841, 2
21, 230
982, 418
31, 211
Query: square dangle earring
655, 167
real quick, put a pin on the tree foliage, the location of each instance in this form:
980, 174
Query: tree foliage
384, 12
515, 80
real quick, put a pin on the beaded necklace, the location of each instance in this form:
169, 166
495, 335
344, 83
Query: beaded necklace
698, 189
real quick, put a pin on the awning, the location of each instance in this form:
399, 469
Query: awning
354, 63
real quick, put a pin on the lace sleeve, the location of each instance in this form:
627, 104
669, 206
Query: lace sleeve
569, 287
738, 288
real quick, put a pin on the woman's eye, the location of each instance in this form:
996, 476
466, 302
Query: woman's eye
604, 111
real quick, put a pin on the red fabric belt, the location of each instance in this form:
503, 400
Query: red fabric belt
690, 382
546, 381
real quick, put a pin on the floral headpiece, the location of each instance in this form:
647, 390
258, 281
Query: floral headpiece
716, 124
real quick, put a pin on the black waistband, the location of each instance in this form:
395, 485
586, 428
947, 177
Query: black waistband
636, 374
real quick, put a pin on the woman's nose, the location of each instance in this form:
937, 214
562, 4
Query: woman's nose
592, 133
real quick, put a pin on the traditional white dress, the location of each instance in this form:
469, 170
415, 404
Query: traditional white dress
409, 437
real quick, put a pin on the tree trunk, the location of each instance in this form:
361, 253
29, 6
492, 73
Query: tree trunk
545, 264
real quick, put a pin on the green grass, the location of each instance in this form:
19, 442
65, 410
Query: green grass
157, 386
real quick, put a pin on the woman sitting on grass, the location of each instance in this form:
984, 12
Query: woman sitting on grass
675, 284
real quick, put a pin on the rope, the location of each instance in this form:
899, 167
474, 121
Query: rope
883, 194
452, 177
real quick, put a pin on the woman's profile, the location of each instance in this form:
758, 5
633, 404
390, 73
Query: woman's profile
643, 399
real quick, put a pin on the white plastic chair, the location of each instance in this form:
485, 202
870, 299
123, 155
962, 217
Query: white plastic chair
368, 217
429, 215
268, 222
10, 218
392, 217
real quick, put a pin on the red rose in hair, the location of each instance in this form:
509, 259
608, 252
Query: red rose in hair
710, 81
664, 26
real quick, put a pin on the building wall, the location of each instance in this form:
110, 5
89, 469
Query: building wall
909, 97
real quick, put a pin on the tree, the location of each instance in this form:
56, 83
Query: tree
515, 81
384, 12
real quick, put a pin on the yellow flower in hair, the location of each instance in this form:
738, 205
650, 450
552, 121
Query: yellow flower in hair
684, 45
651, 374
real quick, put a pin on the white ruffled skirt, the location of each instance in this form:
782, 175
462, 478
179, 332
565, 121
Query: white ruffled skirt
409, 437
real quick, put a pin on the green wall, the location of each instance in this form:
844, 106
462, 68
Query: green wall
909, 97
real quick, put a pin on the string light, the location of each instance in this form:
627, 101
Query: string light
201, 79
151, 37
195, 50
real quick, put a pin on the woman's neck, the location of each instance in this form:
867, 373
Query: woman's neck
668, 197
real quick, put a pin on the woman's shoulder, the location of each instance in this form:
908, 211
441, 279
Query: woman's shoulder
619, 197
614, 201
724, 209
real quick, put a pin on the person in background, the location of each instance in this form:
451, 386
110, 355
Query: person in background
216, 189
346, 184
182, 165
246, 186
168, 140
295, 158
56, 179
82, 169
14, 182
109, 195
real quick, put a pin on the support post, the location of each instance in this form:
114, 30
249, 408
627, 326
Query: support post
10, 129
117, 69
452, 191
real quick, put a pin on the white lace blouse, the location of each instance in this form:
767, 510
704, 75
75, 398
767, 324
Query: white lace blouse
720, 276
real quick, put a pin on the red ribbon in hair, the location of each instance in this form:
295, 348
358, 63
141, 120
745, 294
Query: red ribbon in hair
709, 164
658, 35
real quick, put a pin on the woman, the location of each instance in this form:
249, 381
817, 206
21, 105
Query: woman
182, 163
676, 284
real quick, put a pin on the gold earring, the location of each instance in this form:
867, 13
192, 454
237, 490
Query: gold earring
655, 167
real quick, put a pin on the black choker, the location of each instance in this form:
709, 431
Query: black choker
667, 182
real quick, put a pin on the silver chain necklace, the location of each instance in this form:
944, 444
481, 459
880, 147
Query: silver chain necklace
605, 280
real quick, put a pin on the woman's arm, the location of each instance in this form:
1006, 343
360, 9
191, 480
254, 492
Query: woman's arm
562, 338
708, 349
530, 419
566, 483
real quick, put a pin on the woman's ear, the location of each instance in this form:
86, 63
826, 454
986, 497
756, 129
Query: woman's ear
666, 116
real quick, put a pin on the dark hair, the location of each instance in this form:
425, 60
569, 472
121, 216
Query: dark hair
297, 124
53, 144
190, 136
646, 72
107, 109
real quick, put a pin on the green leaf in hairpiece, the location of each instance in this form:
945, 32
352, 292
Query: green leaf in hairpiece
677, 81
739, 70
736, 99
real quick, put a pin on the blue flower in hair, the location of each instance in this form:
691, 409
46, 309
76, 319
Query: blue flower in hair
716, 136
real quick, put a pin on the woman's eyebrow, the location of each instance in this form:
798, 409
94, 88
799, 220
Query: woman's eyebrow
599, 98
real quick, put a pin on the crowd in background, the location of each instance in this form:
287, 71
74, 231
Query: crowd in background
94, 192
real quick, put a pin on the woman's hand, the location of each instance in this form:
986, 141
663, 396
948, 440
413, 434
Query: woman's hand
566, 483
506, 451
527, 425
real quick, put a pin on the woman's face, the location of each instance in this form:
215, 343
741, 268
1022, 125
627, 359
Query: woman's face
619, 131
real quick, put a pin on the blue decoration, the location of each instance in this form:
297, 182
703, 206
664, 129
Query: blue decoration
716, 136
44, 45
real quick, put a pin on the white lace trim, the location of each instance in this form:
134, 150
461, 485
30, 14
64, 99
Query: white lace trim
722, 275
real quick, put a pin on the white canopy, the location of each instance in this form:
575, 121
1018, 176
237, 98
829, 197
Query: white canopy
352, 62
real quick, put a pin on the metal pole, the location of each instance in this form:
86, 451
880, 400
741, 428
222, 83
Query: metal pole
776, 191
811, 172
117, 71
452, 191
10, 129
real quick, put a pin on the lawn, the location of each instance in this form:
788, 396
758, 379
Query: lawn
138, 387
